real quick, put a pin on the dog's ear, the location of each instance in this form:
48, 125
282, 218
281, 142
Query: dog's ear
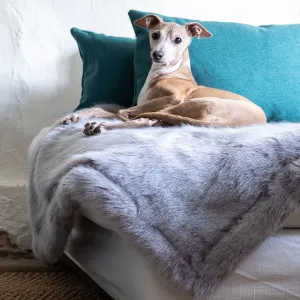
148, 21
197, 30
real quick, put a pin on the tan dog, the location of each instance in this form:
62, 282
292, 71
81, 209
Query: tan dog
171, 94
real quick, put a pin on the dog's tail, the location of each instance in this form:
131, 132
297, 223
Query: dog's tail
176, 120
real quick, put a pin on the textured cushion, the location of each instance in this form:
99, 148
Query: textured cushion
107, 68
261, 63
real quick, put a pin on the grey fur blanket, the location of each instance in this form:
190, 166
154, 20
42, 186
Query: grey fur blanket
195, 201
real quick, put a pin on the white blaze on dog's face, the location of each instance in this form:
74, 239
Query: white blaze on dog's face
169, 40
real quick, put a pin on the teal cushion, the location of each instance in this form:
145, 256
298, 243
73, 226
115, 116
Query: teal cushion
107, 68
261, 63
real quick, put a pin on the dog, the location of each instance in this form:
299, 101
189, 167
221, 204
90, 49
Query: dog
171, 94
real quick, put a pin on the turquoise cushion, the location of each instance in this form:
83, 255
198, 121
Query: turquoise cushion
261, 63
107, 68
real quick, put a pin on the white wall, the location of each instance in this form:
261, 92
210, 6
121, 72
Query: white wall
40, 69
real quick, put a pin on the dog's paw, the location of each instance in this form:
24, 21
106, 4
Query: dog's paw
140, 120
146, 121
73, 118
93, 128
125, 114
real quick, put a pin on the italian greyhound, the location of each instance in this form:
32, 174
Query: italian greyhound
171, 94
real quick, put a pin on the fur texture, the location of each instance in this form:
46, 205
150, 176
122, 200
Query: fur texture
195, 200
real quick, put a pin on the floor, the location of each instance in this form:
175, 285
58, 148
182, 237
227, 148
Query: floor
21, 275
23, 278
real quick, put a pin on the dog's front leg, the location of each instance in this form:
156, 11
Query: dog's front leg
97, 127
151, 106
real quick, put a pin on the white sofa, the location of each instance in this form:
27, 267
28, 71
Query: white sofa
271, 272
40, 80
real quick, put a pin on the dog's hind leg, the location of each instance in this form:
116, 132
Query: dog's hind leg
198, 112
94, 112
151, 106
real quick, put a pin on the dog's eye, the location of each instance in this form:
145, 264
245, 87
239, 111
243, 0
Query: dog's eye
155, 35
178, 40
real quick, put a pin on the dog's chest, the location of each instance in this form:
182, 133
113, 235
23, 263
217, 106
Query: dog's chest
151, 79
143, 96
156, 86
164, 83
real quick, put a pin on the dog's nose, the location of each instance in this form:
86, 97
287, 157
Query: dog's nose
157, 55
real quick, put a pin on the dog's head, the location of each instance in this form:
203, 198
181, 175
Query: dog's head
169, 40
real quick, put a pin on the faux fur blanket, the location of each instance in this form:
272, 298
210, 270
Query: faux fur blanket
196, 201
